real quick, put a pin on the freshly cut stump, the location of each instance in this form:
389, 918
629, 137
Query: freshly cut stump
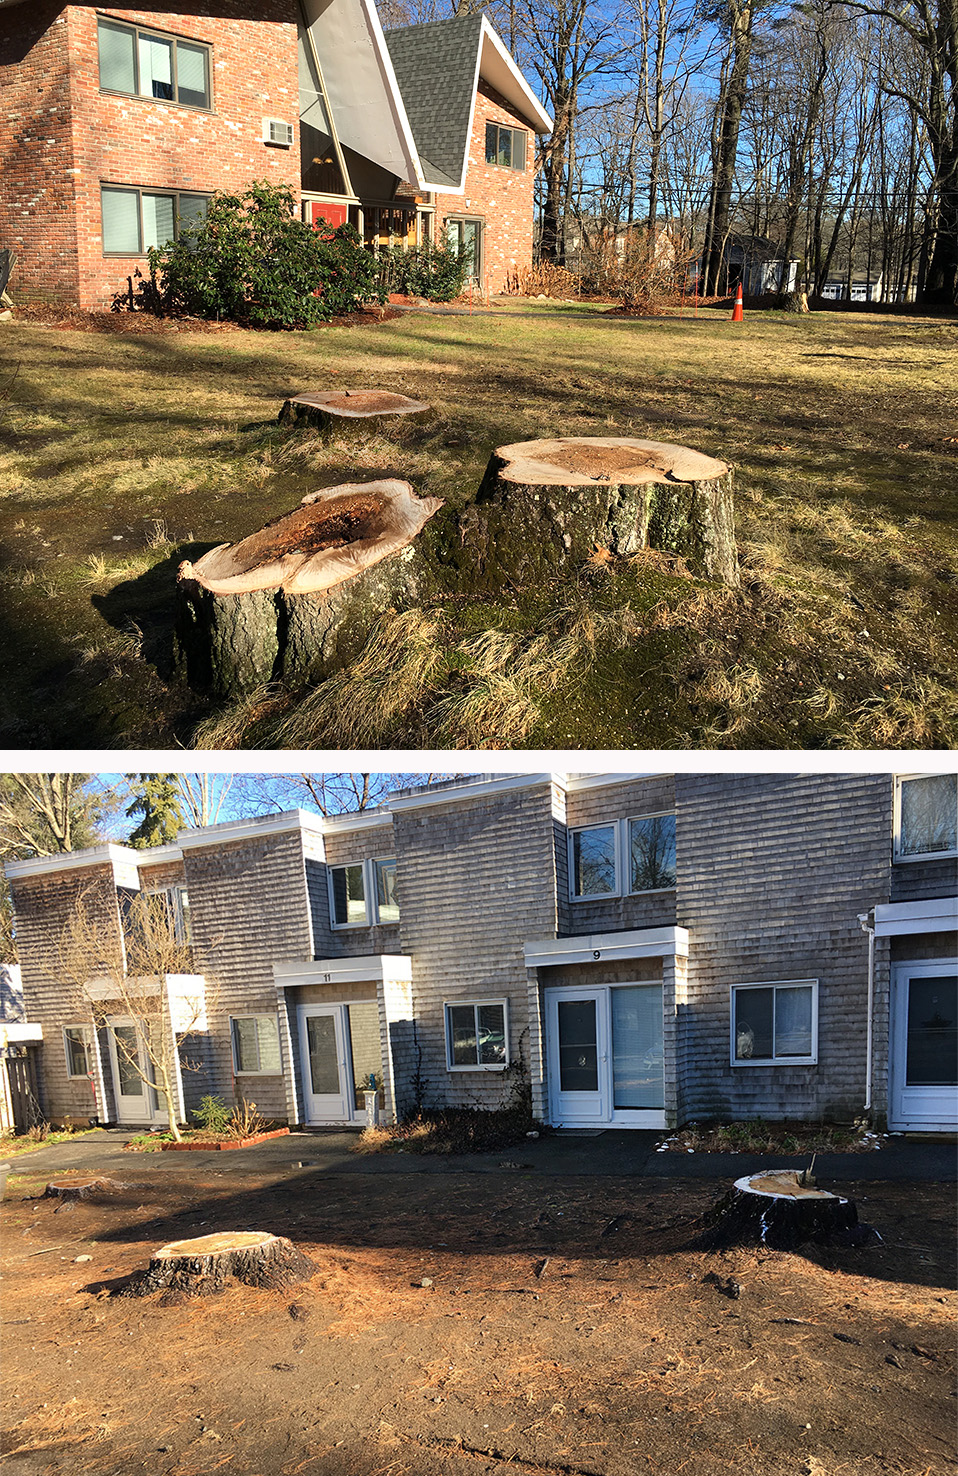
546, 504
775, 1208
299, 597
72, 1191
348, 410
211, 1262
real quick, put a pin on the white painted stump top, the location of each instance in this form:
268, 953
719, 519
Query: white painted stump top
780, 1184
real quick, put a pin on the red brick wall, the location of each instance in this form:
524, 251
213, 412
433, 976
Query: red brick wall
36, 151
502, 198
157, 145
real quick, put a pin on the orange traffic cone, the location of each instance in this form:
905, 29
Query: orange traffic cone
738, 314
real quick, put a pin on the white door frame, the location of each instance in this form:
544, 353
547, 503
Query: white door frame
331, 1108
915, 1108
147, 1107
564, 1109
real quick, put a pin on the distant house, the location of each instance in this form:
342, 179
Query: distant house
633, 950
757, 264
118, 126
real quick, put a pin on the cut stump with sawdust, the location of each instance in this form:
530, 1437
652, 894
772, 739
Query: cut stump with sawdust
210, 1263
547, 504
348, 410
783, 1209
298, 598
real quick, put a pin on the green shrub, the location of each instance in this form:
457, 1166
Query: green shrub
253, 261
212, 1114
436, 271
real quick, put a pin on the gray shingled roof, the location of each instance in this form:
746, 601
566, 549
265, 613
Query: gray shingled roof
435, 66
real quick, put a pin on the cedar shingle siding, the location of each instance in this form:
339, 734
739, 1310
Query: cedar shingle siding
773, 873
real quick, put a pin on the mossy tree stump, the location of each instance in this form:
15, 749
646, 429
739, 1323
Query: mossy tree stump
299, 598
782, 1209
348, 410
545, 505
210, 1263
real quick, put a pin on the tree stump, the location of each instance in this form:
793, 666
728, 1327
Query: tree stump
544, 505
300, 597
211, 1262
348, 410
70, 1192
776, 1208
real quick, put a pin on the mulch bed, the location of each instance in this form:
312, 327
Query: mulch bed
76, 320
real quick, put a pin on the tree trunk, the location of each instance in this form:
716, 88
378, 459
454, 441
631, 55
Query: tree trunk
779, 1210
546, 505
348, 410
740, 20
299, 598
210, 1263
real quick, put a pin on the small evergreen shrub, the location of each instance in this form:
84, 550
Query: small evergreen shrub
252, 260
212, 1114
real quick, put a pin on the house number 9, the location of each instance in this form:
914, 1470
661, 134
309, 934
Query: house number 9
597, 954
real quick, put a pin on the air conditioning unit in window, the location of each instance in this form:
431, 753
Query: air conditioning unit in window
275, 131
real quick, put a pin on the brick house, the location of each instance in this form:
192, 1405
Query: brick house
118, 125
639, 950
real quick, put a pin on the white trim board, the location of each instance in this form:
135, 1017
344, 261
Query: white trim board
361, 968
934, 915
596, 947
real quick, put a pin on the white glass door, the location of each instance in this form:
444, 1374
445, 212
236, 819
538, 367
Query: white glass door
923, 1076
136, 1099
327, 1084
605, 1056
578, 1057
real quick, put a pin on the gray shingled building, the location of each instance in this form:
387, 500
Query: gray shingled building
637, 949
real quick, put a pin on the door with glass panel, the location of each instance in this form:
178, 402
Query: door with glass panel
136, 1098
341, 1059
923, 1076
605, 1056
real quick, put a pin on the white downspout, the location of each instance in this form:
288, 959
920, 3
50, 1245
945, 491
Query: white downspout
867, 922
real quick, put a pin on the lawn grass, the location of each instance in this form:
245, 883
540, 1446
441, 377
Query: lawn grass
121, 454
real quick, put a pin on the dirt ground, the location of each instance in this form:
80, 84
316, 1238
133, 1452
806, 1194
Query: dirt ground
467, 1323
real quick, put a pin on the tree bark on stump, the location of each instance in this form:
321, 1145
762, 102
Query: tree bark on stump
211, 1262
776, 1209
545, 505
71, 1191
348, 410
299, 598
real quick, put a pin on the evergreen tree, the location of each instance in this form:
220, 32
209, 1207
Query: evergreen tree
158, 799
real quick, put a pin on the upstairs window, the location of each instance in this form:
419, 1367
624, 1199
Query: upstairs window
926, 817
506, 147
174, 902
147, 64
623, 858
134, 220
363, 894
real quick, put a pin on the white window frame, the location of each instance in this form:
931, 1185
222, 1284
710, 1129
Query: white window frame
88, 1046
627, 851
616, 827
622, 854
371, 918
899, 858
773, 984
475, 1005
255, 1015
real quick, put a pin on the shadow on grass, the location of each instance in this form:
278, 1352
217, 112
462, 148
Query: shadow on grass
148, 602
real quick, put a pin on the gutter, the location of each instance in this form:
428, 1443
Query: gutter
867, 923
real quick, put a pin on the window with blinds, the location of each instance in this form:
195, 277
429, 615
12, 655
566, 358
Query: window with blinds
134, 220
145, 64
